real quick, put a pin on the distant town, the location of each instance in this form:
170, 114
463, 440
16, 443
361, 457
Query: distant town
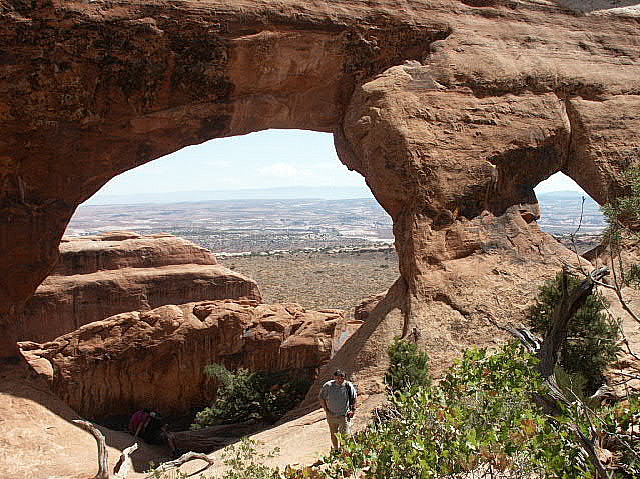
250, 226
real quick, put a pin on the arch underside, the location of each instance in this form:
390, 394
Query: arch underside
450, 127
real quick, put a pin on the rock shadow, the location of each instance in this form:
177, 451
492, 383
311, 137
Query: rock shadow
586, 6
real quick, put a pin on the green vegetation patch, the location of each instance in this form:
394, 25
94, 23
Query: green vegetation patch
243, 396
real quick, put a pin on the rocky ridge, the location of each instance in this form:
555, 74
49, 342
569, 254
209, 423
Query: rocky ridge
156, 358
97, 277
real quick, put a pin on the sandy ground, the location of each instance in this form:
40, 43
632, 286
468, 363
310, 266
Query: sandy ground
319, 280
38, 439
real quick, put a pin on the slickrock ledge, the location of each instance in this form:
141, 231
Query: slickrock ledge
97, 277
156, 358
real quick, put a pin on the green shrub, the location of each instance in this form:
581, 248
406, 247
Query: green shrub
243, 395
481, 420
621, 423
409, 367
243, 461
480, 417
591, 345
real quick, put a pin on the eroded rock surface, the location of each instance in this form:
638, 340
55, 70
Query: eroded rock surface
125, 249
97, 277
452, 110
156, 358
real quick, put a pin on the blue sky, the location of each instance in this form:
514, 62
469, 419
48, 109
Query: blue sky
266, 159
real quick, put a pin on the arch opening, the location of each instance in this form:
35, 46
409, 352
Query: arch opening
569, 213
262, 195
275, 206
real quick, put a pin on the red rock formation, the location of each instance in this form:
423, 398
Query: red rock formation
156, 358
367, 305
97, 277
452, 111
123, 249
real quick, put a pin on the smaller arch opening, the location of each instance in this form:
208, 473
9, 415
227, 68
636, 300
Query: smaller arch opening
568, 213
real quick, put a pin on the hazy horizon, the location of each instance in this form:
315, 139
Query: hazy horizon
265, 163
269, 194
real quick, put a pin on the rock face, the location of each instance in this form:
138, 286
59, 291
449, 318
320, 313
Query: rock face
97, 277
156, 358
452, 110
367, 305
124, 249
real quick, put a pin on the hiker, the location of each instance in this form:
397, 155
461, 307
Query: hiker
139, 421
156, 432
338, 399
149, 426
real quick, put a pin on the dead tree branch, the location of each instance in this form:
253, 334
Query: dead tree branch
564, 311
549, 349
103, 458
124, 463
189, 456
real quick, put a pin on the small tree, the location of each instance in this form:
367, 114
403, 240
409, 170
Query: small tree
409, 367
243, 395
592, 341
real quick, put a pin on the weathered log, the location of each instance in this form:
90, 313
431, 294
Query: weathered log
124, 463
103, 457
189, 456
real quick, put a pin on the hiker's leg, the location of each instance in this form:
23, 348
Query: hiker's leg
333, 429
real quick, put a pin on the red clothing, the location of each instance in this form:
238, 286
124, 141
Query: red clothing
139, 417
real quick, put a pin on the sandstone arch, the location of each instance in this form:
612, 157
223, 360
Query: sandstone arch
451, 110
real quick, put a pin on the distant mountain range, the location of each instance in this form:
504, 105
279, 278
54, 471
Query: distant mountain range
293, 192
564, 195
283, 193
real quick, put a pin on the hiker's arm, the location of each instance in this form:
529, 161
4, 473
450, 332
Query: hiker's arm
322, 398
354, 402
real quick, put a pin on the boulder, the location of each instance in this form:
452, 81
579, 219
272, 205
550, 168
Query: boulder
367, 305
124, 249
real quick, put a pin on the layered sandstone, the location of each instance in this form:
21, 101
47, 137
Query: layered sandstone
125, 249
156, 358
453, 110
97, 277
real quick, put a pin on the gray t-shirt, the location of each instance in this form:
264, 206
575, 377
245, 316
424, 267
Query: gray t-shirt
336, 396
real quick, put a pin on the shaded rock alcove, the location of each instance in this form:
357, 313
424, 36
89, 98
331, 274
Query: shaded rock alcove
156, 358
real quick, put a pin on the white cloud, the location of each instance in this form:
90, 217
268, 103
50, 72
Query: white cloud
280, 170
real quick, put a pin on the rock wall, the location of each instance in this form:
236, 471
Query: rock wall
156, 358
97, 277
452, 110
